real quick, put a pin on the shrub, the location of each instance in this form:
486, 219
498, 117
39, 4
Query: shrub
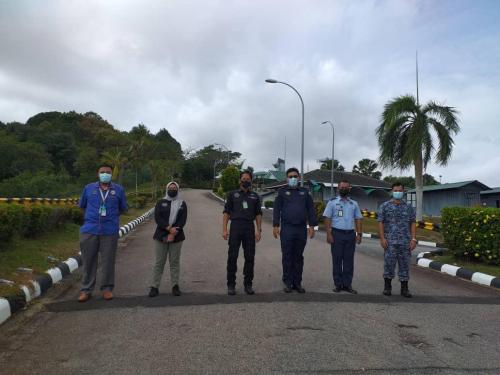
320, 208
268, 204
472, 233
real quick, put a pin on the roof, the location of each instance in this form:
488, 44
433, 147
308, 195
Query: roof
455, 185
324, 176
491, 191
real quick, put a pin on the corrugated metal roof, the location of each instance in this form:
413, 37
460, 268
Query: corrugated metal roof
492, 191
455, 185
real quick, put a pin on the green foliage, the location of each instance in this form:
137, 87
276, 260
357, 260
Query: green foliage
269, 204
31, 221
230, 179
409, 181
367, 167
41, 184
319, 207
472, 233
327, 165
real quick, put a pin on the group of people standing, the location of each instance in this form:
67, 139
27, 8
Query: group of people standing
294, 220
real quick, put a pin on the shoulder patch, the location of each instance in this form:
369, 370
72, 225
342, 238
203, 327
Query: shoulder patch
236, 195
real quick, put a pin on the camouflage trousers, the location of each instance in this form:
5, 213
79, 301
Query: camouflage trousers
401, 255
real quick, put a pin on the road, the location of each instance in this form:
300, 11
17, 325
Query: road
451, 326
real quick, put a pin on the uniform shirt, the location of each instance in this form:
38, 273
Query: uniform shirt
397, 219
342, 213
115, 203
294, 206
242, 206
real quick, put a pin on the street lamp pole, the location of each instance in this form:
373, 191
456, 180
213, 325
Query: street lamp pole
333, 154
302, 143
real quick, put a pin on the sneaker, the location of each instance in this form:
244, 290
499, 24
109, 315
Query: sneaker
107, 295
337, 289
287, 289
299, 288
153, 292
176, 291
350, 290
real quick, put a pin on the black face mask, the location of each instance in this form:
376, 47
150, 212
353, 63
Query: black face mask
344, 192
246, 184
172, 193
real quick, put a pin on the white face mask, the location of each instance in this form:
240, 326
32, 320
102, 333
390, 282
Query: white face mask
293, 181
397, 195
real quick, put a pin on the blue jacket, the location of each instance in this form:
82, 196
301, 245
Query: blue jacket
294, 206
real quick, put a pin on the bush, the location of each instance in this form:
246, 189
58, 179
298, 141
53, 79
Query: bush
472, 233
320, 208
268, 204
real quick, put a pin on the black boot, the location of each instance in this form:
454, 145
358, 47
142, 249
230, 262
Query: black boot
153, 292
176, 291
387, 287
404, 289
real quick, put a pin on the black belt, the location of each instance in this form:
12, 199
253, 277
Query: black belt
349, 231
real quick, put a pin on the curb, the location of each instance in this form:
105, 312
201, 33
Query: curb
455, 271
11, 304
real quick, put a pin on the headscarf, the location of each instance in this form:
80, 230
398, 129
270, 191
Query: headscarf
175, 203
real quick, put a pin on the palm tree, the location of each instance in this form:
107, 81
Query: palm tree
119, 162
367, 167
406, 134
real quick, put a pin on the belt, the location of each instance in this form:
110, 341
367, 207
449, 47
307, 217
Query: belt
348, 231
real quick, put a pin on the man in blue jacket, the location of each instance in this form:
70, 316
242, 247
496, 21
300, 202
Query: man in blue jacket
293, 209
102, 202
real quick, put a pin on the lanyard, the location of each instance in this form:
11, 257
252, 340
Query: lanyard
104, 196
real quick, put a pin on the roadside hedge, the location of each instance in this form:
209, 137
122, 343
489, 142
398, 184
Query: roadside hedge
320, 208
31, 221
472, 233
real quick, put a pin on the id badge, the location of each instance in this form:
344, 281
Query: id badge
102, 210
340, 213
245, 205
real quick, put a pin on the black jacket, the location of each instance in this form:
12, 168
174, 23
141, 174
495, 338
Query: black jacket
162, 214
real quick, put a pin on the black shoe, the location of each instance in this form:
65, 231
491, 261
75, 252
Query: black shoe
404, 289
387, 287
249, 290
153, 292
299, 288
231, 290
176, 291
337, 289
287, 289
350, 290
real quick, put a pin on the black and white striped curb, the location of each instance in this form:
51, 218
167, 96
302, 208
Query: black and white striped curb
11, 304
420, 243
463, 273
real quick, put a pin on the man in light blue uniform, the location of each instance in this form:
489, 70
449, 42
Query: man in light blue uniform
342, 215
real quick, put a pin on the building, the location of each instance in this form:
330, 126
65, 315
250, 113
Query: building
369, 192
490, 198
436, 197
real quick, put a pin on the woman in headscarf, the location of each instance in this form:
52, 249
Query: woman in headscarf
170, 217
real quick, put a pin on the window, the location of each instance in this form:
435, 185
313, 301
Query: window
411, 198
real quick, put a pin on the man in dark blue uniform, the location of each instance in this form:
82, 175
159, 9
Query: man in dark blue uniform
242, 208
293, 209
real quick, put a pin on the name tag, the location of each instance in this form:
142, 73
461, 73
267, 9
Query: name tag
245, 205
102, 210
340, 213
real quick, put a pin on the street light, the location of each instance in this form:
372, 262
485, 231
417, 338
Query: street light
302, 145
333, 150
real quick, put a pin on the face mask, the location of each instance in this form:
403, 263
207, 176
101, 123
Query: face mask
105, 178
172, 193
246, 184
344, 192
293, 181
397, 195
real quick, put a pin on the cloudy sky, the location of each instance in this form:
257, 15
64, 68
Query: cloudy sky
198, 68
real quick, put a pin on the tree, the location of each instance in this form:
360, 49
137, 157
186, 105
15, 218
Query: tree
327, 165
230, 178
118, 160
405, 137
367, 167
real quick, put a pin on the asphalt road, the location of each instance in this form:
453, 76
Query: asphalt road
451, 326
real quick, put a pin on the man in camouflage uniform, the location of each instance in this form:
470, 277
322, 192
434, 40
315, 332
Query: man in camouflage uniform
397, 230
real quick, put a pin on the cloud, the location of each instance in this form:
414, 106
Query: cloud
198, 69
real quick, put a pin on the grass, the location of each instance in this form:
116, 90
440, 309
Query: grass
33, 252
473, 266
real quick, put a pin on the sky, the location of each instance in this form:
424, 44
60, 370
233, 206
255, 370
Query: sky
198, 69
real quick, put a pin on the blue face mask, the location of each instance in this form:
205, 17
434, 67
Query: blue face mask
105, 178
293, 181
397, 195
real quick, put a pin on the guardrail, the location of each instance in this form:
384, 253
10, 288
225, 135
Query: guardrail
40, 200
420, 224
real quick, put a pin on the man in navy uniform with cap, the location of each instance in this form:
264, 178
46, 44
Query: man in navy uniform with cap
293, 209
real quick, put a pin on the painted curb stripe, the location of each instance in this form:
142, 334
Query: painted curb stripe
45, 282
449, 269
464, 273
55, 273
38, 290
424, 262
64, 268
4, 310
482, 278
427, 243
16, 302
436, 265
72, 264
27, 293
496, 282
